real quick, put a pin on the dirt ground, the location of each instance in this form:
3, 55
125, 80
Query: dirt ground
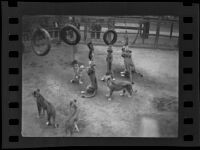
151, 112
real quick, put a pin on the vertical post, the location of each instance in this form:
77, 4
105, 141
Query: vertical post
92, 32
142, 29
53, 34
143, 33
73, 52
157, 33
171, 29
147, 29
85, 31
109, 27
58, 34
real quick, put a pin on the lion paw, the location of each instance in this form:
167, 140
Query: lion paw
121, 94
107, 95
82, 92
47, 123
56, 125
109, 99
129, 96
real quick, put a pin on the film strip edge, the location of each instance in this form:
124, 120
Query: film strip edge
13, 71
189, 70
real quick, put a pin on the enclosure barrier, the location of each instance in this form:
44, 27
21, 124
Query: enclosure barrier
142, 31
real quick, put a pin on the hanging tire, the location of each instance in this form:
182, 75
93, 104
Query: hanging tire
106, 35
41, 41
67, 31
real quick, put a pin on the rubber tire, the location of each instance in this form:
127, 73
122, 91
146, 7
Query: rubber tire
70, 27
114, 38
47, 36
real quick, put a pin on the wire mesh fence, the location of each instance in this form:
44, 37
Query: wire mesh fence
163, 34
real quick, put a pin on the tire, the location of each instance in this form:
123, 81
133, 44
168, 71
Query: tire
114, 38
41, 32
73, 28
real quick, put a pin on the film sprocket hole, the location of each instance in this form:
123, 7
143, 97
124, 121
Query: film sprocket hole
158, 107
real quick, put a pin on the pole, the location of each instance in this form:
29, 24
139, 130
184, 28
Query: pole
171, 30
157, 33
143, 32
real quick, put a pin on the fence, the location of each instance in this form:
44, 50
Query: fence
162, 37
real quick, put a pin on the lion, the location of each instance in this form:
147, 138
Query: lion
91, 89
44, 105
114, 85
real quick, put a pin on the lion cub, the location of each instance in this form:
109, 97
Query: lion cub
91, 89
71, 122
114, 85
43, 105
78, 70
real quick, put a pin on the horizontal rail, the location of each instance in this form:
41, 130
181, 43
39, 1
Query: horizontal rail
151, 33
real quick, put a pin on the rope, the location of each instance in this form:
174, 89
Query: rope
136, 37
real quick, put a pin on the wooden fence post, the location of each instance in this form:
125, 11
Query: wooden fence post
53, 34
171, 29
58, 35
85, 31
157, 33
143, 33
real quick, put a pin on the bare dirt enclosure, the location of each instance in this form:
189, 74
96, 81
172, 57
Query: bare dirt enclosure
151, 112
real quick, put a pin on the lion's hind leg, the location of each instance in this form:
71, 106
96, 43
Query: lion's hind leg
130, 91
123, 92
72, 80
40, 109
80, 81
76, 127
110, 95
